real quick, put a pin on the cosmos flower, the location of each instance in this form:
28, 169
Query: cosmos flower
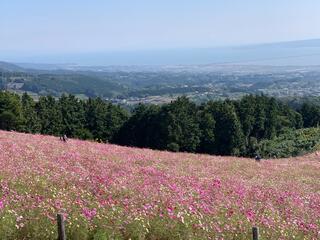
102, 185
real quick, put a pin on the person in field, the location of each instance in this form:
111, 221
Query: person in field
258, 157
64, 138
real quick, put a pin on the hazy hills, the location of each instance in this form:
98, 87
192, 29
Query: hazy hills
298, 53
277, 69
9, 67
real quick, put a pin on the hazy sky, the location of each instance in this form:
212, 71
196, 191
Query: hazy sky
57, 26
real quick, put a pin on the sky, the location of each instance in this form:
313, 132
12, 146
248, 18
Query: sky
66, 26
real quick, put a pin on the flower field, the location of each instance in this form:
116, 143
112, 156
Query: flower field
112, 192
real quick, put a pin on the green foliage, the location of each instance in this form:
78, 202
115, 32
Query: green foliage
7, 227
8, 120
10, 111
83, 134
50, 116
103, 119
311, 114
263, 117
227, 127
56, 84
72, 114
291, 143
173, 127
142, 128
31, 121
207, 127
229, 138
179, 125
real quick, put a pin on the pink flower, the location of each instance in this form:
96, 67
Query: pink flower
216, 183
250, 214
89, 214
222, 195
230, 212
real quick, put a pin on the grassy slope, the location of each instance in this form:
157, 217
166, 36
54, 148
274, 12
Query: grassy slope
112, 192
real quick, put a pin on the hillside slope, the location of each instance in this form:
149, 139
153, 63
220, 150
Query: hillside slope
113, 192
9, 67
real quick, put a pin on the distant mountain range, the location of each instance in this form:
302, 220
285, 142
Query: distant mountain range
9, 67
161, 83
295, 53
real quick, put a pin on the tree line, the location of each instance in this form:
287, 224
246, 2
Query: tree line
229, 127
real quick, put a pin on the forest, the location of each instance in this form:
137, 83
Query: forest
229, 127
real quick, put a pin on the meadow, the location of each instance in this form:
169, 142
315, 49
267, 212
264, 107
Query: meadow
111, 192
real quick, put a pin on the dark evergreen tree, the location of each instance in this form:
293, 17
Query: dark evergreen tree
103, 119
311, 114
229, 137
224, 127
31, 122
207, 126
73, 116
179, 126
50, 117
10, 111
142, 129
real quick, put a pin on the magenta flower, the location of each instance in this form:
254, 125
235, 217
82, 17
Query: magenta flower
89, 214
215, 197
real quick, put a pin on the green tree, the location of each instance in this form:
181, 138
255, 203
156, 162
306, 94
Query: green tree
73, 116
49, 115
31, 122
179, 125
207, 126
10, 111
142, 128
229, 137
103, 119
311, 114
